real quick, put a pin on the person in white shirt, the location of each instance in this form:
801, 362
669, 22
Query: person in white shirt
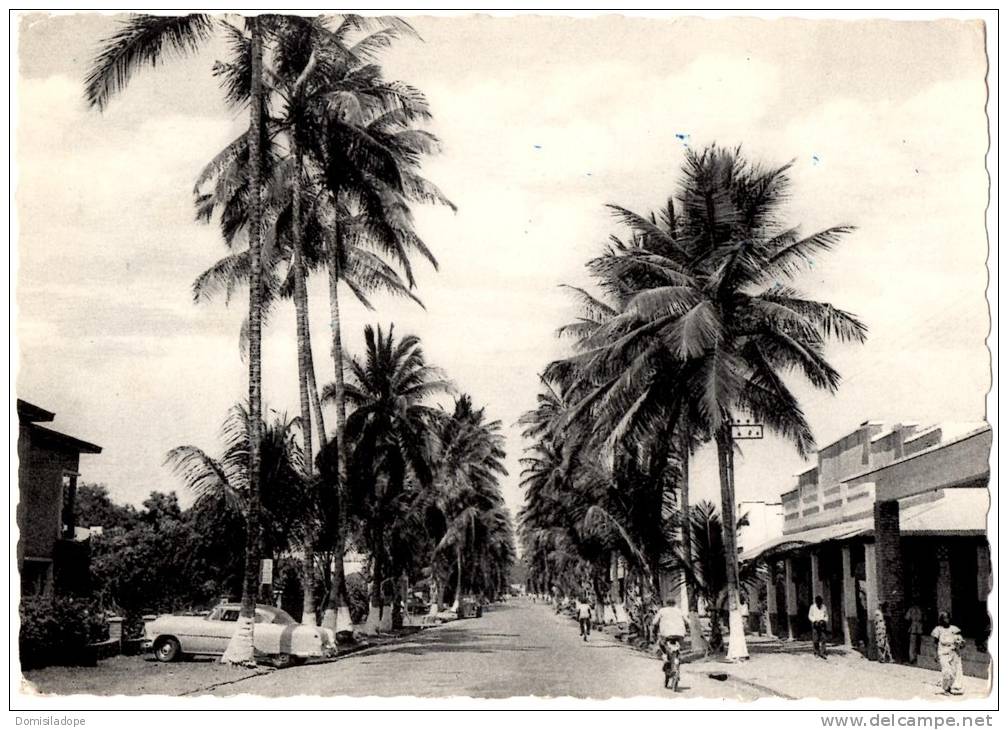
670, 623
584, 615
818, 617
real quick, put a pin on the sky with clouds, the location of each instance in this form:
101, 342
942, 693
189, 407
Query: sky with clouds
544, 120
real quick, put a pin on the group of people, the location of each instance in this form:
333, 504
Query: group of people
668, 624
949, 641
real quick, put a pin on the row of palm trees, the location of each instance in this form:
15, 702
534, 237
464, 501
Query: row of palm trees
421, 497
696, 326
323, 178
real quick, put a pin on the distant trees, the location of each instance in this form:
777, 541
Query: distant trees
94, 508
164, 558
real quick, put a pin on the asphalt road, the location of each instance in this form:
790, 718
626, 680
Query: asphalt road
515, 650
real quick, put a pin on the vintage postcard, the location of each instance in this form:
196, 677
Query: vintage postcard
503, 355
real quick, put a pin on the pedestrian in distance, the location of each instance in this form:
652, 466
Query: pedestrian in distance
915, 623
950, 643
882, 638
584, 616
818, 617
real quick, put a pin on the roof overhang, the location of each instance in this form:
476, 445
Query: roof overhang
62, 441
31, 413
962, 463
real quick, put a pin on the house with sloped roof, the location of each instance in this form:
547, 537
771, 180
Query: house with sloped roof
48, 556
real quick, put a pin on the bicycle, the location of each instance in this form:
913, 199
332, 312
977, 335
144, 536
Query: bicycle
670, 667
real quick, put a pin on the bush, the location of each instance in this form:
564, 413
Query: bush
58, 631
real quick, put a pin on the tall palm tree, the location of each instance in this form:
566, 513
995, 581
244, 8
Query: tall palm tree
311, 67
144, 40
465, 507
711, 328
389, 426
368, 152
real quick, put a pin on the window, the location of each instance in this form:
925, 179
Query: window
230, 614
69, 509
35, 577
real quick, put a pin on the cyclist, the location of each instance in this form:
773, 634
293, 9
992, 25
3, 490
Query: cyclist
671, 629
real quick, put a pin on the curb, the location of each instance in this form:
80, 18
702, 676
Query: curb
351, 651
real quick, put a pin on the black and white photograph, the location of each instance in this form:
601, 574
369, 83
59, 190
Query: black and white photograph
465, 356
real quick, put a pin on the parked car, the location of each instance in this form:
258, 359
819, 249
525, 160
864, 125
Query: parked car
470, 607
276, 636
417, 605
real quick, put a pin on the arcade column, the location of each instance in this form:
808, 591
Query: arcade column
790, 597
849, 602
889, 573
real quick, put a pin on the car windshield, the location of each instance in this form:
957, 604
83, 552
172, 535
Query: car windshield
277, 616
264, 615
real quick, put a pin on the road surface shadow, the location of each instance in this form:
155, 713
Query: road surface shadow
457, 640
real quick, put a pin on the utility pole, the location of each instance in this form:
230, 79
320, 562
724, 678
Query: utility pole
737, 431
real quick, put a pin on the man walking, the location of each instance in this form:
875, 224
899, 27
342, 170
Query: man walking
584, 616
818, 617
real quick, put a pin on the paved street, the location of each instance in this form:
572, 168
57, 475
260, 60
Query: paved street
514, 650
517, 649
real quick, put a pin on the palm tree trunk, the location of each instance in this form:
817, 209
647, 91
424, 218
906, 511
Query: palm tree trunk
401, 588
458, 584
736, 636
337, 355
303, 362
313, 390
697, 640
374, 616
337, 616
240, 648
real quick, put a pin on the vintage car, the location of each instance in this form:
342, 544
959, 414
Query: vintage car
277, 637
417, 605
470, 607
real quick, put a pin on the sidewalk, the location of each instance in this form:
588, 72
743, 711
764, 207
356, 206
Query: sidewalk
790, 670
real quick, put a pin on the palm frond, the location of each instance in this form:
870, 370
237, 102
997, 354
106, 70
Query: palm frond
141, 40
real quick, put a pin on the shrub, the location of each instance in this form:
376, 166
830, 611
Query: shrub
58, 631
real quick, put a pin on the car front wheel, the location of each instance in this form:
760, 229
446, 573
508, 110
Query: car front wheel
167, 649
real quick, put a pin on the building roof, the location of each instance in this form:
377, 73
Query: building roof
31, 413
43, 435
892, 429
952, 433
954, 512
